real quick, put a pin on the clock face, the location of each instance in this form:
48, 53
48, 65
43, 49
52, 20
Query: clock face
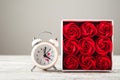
44, 54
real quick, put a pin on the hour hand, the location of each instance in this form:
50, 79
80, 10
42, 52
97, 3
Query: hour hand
48, 57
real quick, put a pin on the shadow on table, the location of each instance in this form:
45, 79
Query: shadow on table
112, 71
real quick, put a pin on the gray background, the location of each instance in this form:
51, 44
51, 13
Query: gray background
20, 20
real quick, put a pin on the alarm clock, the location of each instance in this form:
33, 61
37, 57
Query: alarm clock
44, 53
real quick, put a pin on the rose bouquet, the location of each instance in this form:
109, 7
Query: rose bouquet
87, 45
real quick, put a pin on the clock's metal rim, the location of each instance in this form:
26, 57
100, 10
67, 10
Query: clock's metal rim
44, 66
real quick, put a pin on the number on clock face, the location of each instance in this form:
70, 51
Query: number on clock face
44, 55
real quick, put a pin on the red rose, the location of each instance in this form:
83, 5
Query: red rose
87, 62
86, 46
88, 29
103, 63
105, 29
103, 45
70, 47
71, 30
71, 62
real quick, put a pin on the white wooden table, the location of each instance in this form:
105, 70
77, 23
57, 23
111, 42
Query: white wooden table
18, 68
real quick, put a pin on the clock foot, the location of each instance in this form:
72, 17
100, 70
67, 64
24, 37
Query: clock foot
33, 68
55, 68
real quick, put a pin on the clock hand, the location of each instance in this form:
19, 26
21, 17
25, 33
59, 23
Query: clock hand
48, 50
45, 50
45, 53
48, 57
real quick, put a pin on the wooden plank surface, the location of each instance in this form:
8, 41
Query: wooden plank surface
18, 68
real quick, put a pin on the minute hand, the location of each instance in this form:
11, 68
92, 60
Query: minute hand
45, 50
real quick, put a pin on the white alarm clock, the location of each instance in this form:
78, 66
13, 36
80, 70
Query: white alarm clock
44, 53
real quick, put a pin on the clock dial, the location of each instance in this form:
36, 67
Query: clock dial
44, 54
